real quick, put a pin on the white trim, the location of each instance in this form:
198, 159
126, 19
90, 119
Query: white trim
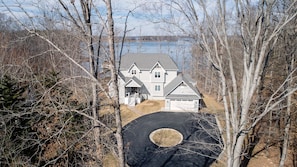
129, 69
176, 87
132, 80
154, 66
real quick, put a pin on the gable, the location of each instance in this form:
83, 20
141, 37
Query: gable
183, 89
134, 82
180, 86
133, 67
157, 67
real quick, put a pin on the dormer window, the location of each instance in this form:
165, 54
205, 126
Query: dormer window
157, 74
133, 72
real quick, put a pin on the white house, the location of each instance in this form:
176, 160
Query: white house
155, 76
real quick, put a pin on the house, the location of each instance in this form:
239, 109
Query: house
155, 76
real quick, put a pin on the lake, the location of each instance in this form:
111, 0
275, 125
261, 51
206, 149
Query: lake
179, 51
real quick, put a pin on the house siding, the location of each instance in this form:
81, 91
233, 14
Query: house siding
145, 76
121, 91
159, 91
155, 76
133, 68
169, 76
158, 75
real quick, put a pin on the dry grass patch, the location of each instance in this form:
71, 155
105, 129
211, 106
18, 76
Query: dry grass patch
150, 106
110, 161
212, 105
166, 137
127, 115
146, 107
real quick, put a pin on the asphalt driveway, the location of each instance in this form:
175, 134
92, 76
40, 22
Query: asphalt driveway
201, 145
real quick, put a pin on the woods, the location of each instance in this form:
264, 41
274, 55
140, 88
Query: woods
240, 41
55, 108
56, 59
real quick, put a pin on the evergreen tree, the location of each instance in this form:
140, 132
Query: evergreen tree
11, 93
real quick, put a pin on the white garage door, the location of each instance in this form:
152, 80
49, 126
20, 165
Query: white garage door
180, 105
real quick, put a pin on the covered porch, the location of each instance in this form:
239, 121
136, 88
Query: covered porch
132, 97
133, 92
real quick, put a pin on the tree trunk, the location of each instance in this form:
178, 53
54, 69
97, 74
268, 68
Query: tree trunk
86, 10
114, 80
285, 143
95, 114
286, 139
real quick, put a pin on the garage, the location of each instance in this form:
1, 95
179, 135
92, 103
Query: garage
182, 105
182, 95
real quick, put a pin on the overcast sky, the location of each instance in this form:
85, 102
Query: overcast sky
138, 22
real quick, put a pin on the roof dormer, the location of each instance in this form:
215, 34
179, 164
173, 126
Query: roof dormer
133, 69
157, 66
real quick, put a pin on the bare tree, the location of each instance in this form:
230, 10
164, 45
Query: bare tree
288, 41
85, 22
114, 80
256, 27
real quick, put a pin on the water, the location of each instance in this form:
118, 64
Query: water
179, 51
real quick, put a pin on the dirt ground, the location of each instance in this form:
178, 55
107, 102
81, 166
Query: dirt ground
267, 158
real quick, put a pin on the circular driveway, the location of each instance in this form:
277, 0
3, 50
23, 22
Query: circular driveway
201, 145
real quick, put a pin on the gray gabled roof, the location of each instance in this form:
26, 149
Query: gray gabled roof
135, 80
187, 77
121, 75
177, 81
145, 61
129, 79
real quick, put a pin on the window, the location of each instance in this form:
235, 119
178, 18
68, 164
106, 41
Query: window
157, 75
133, 72
157, 87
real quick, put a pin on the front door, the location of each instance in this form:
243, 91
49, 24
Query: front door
134, 90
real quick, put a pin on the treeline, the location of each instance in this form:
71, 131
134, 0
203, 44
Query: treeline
155, 38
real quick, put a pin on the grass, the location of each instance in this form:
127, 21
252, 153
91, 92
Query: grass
127, 115
147, 107
110, 161
166, 137
212, 105
150, 106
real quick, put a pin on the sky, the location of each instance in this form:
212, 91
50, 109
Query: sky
138, 23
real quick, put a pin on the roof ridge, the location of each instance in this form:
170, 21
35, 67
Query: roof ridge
146, 61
